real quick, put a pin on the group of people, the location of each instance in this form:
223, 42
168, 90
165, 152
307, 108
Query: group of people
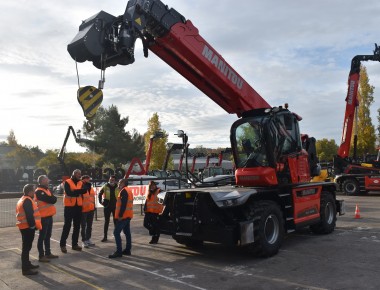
35, 211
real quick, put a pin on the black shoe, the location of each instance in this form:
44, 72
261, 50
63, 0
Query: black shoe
104, 240
115, 255
44, 259
29, 272
154, 240
76, 248
31, 266
127, 252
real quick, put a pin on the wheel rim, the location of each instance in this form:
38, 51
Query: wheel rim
329, 212
272, 229
350, 187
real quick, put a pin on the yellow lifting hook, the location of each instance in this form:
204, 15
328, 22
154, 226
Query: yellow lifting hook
90, 99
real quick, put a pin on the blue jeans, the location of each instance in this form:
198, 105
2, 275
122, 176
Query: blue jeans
123, 225
45, 235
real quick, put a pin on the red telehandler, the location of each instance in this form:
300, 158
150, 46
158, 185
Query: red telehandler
273, 193
352, 176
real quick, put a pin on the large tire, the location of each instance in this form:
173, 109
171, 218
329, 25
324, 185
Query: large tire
120, 173
351, 186
107, 172
38, 172
268, 229
327, 222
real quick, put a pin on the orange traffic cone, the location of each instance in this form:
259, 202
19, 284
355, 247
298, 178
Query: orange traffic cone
357, 212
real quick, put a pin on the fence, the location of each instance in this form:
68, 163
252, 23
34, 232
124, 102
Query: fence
138, 186
8, 203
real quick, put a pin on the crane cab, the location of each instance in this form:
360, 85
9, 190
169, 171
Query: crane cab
268, 149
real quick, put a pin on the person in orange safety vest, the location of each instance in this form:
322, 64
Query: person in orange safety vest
72, 201
152, 210
45, 201
88, 210
28, 220
123, 214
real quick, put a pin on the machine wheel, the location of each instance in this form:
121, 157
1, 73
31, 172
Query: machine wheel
120, 173
350, 186
38, 172
268, 229
107, 172
328, 215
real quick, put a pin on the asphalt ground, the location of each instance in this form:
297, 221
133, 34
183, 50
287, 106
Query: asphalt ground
346, 259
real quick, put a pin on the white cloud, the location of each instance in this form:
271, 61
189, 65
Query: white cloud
296, 51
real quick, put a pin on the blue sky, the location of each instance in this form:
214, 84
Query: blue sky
292, 51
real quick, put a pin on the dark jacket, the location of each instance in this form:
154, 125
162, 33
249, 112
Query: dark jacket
44, 197
76, 192
112, 201
124, 201
29, 213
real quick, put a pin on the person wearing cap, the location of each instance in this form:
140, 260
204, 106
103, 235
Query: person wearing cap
28, 220
45, 202
152, 210
88, 210
107, 198
123, 215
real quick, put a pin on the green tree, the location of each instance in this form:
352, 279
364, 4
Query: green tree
110, 139
11, 139
48, 160
22, 155
85, 159
159, 144
200, 150
366, 130
25, 156
326, 149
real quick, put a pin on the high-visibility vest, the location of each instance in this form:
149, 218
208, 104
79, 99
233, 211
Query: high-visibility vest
46, 209
88, 201
71, 201
128, 213
22, 222
107, 192
152, 204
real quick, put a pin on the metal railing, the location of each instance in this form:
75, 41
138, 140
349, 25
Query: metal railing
8, 203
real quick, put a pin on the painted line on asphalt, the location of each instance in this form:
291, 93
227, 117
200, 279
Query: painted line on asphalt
10, 249
283, 281
142, 269
56, 268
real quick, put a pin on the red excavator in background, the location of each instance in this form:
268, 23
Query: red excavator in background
136, 162
355, 177
215, 168
273, 192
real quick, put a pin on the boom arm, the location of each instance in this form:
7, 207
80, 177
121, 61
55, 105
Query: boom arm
352, 102
108, 41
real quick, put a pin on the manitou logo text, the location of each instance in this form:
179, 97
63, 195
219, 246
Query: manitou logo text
222, 67
351, 92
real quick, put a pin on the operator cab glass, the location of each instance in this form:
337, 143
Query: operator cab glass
250, 144
265, 139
